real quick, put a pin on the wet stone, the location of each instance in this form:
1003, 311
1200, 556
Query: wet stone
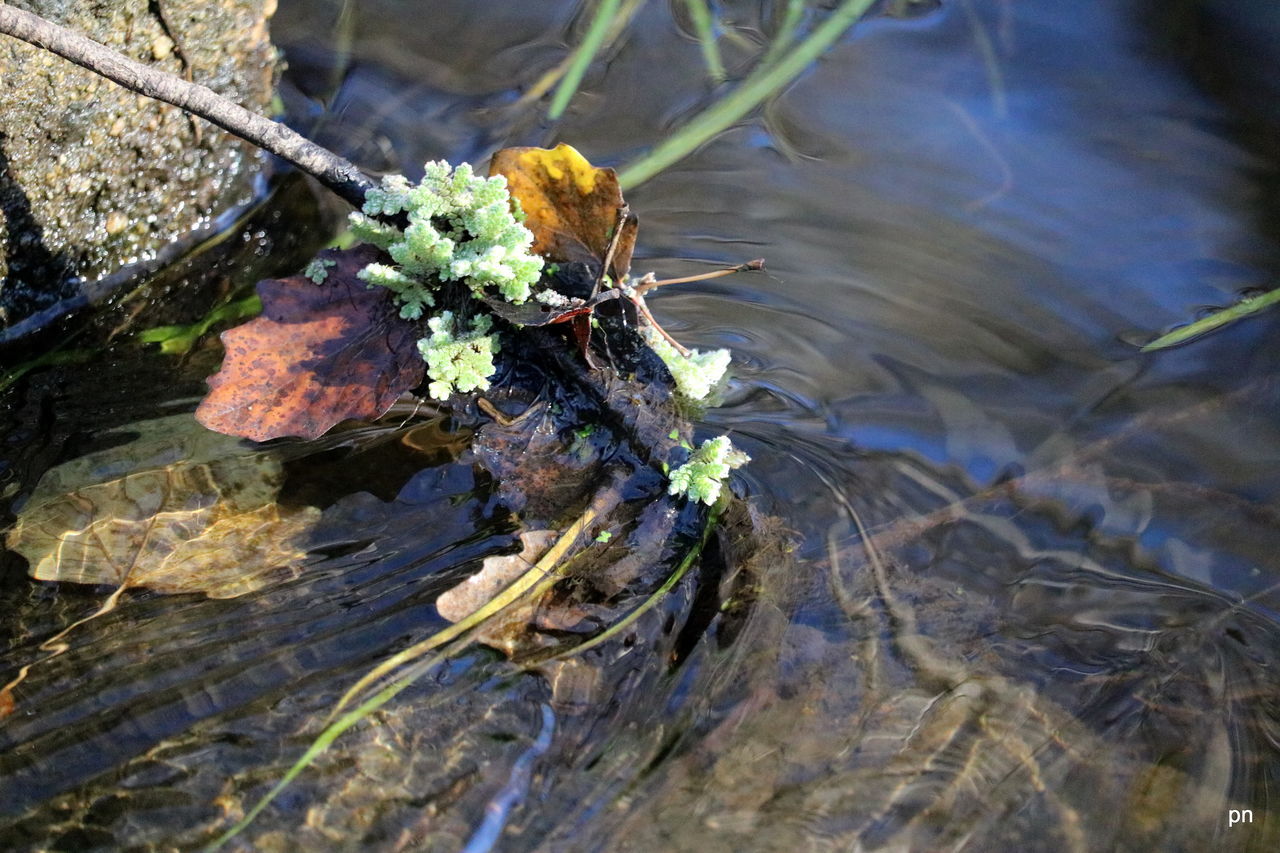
93, 177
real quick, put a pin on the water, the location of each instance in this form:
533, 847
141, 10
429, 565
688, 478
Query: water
971, 214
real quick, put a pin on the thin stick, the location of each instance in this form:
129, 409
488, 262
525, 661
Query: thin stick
757, 264
619, 222
338, 174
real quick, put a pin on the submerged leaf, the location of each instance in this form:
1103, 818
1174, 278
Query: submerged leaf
570, 206
496, 573
319, 354
178, 509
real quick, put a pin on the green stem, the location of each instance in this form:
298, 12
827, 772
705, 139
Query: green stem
762, 83
648, 604
530, 586
786, 32
1217, 320
705, 28
582, 57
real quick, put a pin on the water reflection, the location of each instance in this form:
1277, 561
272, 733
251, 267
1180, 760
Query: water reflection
1069, 638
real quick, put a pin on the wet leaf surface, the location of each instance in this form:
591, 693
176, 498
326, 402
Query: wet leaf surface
495, 573
178, 509
318, 355
570, 205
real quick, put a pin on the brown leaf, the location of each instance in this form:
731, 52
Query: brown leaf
177, 509
570, 206
319, 354
496, 573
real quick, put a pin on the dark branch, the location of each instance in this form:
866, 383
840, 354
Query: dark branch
338, 174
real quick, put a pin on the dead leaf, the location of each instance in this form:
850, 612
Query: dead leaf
570, 206
178, 509
496, 573
537, 472
319, 354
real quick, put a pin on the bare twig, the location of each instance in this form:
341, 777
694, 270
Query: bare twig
338, 174
749, 266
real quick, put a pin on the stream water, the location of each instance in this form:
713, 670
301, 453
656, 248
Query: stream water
1035, 600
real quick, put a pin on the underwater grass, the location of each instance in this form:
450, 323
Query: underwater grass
1218, 319
178, 340
758, 86
582, 56
538, 580
704, 26
713, 518
786, 34
531, 585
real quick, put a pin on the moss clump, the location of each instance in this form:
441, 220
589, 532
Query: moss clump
460, 227
696, 373
457, 359
318, 269
701, 478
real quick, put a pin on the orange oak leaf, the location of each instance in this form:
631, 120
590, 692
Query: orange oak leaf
570, 206
319, 354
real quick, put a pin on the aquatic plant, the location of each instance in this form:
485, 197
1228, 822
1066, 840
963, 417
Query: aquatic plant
318, 269
458, 360
459, 227
703, 476
1244, 308
448, 268
694, 371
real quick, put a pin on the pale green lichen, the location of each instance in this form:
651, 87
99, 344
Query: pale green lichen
459, 227
696, 373
458, 360
702, 477
318, 269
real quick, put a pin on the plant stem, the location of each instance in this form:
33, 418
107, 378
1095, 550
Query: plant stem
338, 174
762, 83
582, 56
705, 28
1216, 320
786, 33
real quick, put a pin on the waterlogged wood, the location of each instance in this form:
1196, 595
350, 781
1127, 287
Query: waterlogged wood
570, 206
178, 509
318, 355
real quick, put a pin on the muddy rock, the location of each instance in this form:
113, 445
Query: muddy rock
94, 178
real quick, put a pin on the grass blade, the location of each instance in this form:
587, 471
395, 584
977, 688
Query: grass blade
1216, 320
786, 34
532, 584
704, 26
544, 83
613, 630
582, 57
758, 86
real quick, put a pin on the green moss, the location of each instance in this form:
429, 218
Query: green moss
701, 478
696, 373
458, 360
318, 269
459, 227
